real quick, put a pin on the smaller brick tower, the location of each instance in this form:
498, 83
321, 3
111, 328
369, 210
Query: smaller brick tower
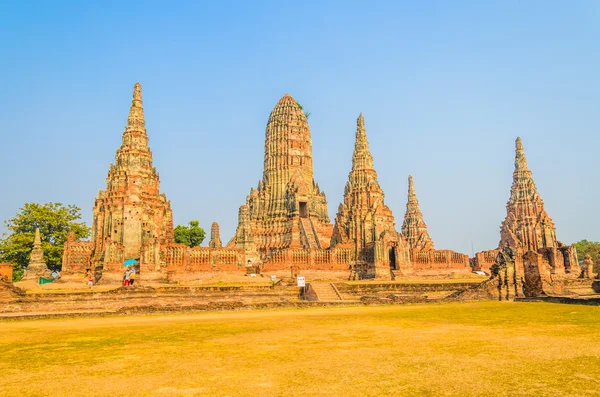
527, 224
363, 221
414, 228
37, 265
215, 236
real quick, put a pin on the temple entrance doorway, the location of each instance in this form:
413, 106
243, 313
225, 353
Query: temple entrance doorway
303, 209
392, 258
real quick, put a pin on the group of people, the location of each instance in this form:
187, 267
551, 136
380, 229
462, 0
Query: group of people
129, 276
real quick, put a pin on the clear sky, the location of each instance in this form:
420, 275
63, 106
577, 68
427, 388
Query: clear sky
445, 88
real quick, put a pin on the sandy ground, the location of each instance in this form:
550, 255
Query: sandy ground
454, 349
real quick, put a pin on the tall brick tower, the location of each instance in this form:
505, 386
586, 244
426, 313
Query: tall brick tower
414, 228
131, 214
527, 225
363, 221
287, 209
363, 215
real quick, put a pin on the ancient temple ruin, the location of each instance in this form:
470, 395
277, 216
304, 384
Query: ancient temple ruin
131, 217
363, 222
287, 209
133, 220
529, 232
37, 265
527, 223
215, 236
414, 228
284, 224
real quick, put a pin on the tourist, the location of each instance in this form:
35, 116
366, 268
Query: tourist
90, 281
131, 276
126, 278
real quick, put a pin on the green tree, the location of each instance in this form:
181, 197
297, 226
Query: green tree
591, 248
191, 235
54, 220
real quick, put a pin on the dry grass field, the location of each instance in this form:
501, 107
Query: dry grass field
458, 349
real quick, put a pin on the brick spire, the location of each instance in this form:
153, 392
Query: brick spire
520, 159
527, 224
134, 147
363, 203
131, 215
136, 120
413, 227
361, 158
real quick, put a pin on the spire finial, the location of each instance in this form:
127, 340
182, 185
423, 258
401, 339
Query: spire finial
520, 159
137, 92
136, 111
37, 241
362, 155
412, 195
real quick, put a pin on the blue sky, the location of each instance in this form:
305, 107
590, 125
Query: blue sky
445, 88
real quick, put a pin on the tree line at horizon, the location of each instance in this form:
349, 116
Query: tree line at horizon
56, 221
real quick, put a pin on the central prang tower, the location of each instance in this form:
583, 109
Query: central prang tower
287, 209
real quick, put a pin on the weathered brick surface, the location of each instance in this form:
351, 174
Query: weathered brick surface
287, 209
528, 228
414, 228
37, 265
6, 271
363, 222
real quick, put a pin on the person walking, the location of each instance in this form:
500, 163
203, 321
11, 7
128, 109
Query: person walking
132, 276
127, 278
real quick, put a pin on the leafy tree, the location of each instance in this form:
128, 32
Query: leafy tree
191, 235
54, 220
591, 248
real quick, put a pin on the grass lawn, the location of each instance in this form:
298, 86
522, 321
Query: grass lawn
476, 349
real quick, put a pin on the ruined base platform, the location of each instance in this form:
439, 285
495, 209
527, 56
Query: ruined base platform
228, 292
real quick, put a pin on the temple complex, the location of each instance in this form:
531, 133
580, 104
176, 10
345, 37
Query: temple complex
37, 265
414, 228
527, 227
284, 224
287, 209
363, 222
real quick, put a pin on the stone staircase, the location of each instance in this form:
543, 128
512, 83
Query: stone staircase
309, 233
326, 292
